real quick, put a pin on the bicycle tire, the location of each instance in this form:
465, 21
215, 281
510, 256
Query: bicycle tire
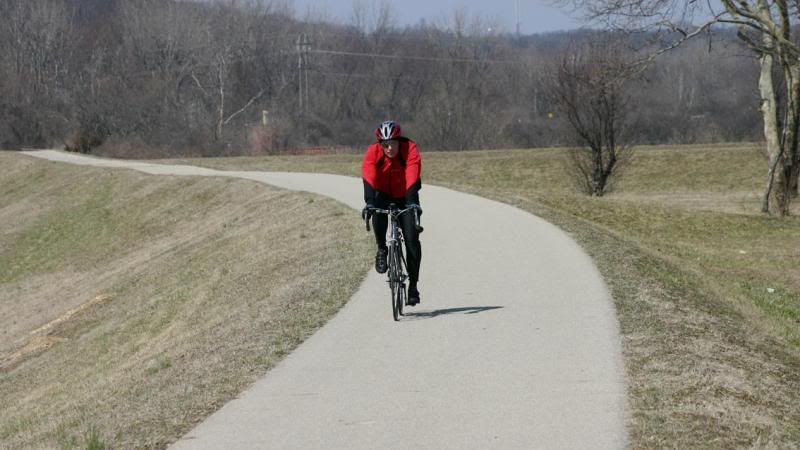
394, 280
401, 301
401, 298
395, 294
401, 286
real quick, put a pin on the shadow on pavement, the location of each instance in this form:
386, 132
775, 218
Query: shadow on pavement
443, 312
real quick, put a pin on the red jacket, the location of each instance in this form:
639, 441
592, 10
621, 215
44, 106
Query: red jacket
398, 177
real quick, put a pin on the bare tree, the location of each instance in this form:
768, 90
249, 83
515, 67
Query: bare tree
588, 88
766, 28
374, 17
463, 92
37, 42
217, 89
167, 76
197, 66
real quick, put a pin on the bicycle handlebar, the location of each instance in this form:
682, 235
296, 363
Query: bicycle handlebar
395, 213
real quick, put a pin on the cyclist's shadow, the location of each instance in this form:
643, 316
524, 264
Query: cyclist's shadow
443, 312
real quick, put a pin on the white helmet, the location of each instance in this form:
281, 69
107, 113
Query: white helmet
388, 130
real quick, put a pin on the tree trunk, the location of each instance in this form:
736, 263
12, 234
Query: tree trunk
221, 103
791, 160
791, 149
793, 180
769, 109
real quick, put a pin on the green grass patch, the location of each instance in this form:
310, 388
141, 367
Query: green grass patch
68, 230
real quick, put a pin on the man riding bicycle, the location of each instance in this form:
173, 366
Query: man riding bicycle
391, 171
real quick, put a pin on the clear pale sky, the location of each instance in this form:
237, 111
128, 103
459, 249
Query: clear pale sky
536, 16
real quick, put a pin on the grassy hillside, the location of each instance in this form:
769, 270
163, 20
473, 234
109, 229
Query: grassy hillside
131, 306
707, 289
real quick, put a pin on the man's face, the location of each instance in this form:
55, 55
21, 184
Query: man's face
390, 147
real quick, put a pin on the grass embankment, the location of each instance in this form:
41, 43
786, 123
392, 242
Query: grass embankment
707, 290
134, 305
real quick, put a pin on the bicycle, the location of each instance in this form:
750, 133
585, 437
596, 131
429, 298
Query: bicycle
397, 271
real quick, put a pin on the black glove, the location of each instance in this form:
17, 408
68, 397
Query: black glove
367, 212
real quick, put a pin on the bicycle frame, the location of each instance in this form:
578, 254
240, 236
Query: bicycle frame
398, 270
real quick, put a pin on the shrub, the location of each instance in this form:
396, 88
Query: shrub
83, 142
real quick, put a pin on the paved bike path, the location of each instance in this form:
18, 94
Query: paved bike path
515, 343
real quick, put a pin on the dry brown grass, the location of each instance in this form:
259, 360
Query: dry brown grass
135, 305
712, 357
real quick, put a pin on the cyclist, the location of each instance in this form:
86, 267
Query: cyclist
391, 171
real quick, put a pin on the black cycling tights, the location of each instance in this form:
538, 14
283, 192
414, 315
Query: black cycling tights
380, 223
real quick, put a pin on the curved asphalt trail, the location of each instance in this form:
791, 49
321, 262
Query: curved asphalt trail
515, 343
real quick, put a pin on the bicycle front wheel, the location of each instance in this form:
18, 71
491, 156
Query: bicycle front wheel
401, 298
396, 312
396, 281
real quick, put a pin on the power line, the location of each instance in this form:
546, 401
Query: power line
304, 63
361, 75
438, 34
416, 58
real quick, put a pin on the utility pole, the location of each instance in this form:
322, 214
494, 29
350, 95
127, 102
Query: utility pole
516, 11
303, 48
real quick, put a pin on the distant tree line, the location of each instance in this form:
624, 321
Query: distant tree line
149, 78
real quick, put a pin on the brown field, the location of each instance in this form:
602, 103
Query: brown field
134, 305
707, 289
